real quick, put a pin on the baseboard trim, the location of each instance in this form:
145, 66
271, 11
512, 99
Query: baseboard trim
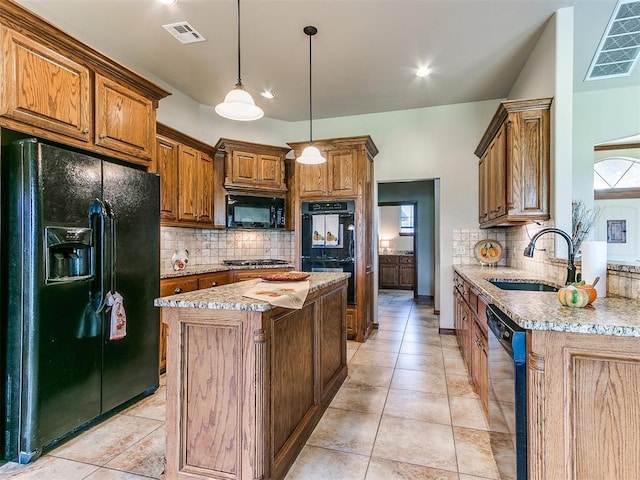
436, 312
447, 331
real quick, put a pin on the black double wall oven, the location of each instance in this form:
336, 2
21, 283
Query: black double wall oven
328, 240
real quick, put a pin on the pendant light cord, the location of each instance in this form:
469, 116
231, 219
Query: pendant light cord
310, 97
239, 84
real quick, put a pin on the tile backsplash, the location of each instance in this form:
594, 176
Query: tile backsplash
622, 280
208, 247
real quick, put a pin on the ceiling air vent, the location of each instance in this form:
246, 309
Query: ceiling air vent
184, 32
619, 48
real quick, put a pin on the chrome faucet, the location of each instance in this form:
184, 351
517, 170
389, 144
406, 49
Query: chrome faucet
571, 268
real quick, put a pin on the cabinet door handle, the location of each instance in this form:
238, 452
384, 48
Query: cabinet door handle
178, 290
85, 130
214, 284
103, 135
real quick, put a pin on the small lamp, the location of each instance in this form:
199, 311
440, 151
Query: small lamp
385, 246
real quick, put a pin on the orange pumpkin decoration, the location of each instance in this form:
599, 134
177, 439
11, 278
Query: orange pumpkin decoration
593, 293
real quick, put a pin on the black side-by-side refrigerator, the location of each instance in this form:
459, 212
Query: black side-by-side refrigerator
77, 229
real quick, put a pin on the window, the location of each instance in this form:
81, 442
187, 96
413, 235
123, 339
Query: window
406, 220
617, 177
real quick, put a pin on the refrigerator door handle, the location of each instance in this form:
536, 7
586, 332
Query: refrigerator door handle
112, 246
97, 214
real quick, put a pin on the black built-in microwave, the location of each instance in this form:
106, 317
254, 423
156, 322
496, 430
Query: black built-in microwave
247, 211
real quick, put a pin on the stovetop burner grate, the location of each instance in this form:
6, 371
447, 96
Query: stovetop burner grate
260, 261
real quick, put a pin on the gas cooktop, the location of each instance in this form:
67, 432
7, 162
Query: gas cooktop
260, 261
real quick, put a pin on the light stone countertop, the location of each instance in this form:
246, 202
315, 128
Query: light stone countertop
199, 269
230, 297
543, 311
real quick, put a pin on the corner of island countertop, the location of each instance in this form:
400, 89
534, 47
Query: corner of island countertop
542, 310
231, 296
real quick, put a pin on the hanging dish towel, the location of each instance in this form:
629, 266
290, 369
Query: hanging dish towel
280, 294
332, 229
118, 328
317, 238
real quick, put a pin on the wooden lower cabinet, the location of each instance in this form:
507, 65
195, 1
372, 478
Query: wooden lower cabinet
582, 406
396, 271
245, 389
172, 286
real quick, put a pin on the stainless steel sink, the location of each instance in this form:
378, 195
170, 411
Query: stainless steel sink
527, 285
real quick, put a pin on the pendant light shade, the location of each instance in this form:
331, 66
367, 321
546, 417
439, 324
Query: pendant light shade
238, 104
310, 155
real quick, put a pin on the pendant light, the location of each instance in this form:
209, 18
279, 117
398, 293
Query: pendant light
310, 155
238, 104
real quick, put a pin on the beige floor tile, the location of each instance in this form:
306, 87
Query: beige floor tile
153, 406
381, 345
433, 381
360, 398
421, 348
425, 407
473, 448
47, 467
370, 357
346, 431
429, 336
420, 362
423, 329
421, 443
105, 441
369, 375
449, 340
460, 386
315, 463
145, 457
470, 477
392, 324
380, 469
454, 365
467, 412
110, 474
388, 335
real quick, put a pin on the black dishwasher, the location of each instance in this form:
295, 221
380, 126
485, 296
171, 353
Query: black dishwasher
507, 394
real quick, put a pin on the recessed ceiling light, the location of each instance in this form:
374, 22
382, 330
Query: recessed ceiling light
168, 2
423, 72
268, 94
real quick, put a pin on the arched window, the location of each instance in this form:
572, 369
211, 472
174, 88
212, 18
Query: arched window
617, 175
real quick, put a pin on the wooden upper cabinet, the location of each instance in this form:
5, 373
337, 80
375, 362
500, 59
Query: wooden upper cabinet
514, 164
186, 173
167, 165
125, 120
253, 167
342, 172
59, 89
44, 88
205, 182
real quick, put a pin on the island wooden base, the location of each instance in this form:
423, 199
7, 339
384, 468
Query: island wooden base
245, 389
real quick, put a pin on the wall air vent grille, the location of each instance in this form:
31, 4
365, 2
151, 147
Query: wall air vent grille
184, 32
619, 48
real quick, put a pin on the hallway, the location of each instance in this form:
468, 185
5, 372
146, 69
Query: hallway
406, 411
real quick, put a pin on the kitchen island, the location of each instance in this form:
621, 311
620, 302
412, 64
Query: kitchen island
583, 377
247, 382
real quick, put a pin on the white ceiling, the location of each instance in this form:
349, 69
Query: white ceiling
364, 55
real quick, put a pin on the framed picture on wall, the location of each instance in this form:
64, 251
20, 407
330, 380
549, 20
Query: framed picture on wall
616, 231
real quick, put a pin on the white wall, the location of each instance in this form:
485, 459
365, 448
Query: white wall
627, 209
549, 73
389, 227
600, 116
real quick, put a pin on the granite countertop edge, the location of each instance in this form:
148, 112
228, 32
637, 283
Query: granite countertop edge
230, 297
213, 268
542, 310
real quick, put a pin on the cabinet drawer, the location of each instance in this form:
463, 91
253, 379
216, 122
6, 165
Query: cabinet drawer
209, 280
388, 259
405, 259
174, 286
241, 275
